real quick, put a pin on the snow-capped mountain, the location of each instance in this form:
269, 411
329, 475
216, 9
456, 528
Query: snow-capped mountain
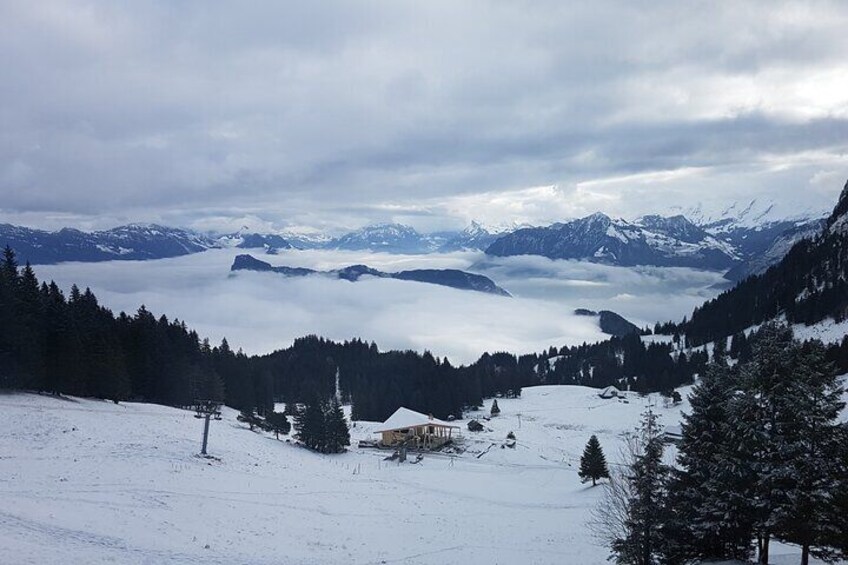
389, 238
753, 213
306, 239
806, 286
129, 242
736, 243
764, 246
650, 240
270, 242
475, 236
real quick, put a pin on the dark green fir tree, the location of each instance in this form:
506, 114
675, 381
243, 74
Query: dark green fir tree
338, 434
593, 464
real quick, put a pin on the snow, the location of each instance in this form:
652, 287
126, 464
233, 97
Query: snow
828, 331
405, 418
754, 213
85, 481
552, 361
612, 232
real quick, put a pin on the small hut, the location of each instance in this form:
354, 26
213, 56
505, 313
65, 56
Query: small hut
673, 434
415, 430
610, 392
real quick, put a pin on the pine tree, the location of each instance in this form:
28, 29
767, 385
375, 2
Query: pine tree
248, 417
278, 422
495, 410
593, 464
707, 522
310, 425
647, 507
337, 432
758, 450
807, 462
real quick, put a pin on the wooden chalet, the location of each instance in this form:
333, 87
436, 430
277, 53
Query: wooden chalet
415, 430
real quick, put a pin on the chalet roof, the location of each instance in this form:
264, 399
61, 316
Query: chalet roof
609, 392
404, 418
674, 430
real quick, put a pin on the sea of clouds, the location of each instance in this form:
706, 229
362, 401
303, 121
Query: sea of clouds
261, 312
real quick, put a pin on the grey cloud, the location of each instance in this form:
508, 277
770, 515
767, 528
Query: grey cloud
326, 113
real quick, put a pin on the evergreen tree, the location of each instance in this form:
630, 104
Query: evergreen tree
646, 511
278, 422
760, 455
707, 521
337, 432
593, 464
495, 410
807, 465
248, 417
309, 424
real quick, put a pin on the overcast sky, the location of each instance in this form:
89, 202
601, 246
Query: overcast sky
335, 114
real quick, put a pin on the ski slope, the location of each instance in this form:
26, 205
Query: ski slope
86, 481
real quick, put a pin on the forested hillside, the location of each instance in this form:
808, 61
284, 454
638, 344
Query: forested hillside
809, 285
72, 345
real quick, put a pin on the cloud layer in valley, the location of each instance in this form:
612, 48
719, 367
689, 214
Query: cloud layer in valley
260, 312
335, 114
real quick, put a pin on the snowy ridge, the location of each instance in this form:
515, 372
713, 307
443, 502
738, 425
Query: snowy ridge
752, 214
673, 241
129, 242
391, 238
649, 240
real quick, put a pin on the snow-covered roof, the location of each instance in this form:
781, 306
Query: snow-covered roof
609, 392
404, 418
674, 430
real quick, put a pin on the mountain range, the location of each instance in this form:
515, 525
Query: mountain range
673, 241
452, 278
737, 245
130, 242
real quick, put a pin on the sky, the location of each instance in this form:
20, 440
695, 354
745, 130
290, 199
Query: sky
331, 115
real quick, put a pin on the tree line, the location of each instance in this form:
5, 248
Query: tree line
73, 345
762, 457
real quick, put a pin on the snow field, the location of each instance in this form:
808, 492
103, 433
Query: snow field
86, 481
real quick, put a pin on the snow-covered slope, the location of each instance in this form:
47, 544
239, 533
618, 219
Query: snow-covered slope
87, 481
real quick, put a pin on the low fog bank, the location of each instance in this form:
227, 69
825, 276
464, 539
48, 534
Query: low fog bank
260, 312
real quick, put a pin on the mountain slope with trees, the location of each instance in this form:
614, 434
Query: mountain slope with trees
808, 285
